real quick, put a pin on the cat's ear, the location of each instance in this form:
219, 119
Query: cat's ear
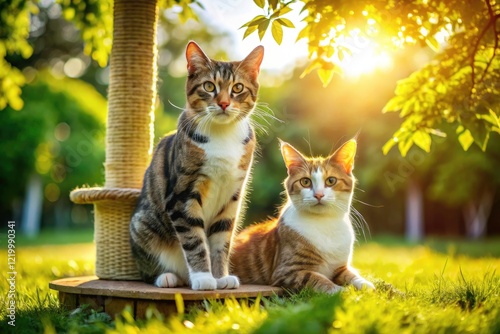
345, 155
251, 64
292, 157
195, 57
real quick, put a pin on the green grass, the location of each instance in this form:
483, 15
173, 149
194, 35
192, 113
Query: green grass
432, 287
52, 237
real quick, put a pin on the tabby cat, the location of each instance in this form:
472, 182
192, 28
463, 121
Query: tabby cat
182, 228
310, 244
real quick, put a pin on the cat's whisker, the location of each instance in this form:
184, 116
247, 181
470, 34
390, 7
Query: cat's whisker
175, 106
361, 222
264, 107
265, 112
258, 126
204, 126
367, 204
188, 124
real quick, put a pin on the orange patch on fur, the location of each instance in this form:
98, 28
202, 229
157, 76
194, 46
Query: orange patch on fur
203, 187
246, 159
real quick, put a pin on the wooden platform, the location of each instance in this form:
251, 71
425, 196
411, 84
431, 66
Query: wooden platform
113, 296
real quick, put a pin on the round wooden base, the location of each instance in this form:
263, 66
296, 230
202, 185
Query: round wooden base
113, 296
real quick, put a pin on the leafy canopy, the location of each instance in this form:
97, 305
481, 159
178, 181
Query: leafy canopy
460, 85
94, 18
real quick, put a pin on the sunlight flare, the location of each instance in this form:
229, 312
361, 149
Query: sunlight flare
366, 61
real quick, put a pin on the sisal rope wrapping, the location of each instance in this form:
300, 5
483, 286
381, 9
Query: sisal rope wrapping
92, 195
113, 254
129, 136
132, 93
113, 209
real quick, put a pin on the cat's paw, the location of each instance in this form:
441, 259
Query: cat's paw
360, 284
202, 281
168, 280
228, 282
335, 289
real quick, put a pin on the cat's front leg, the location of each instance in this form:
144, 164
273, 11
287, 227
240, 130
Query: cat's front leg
347, 275
220, 235
191, 234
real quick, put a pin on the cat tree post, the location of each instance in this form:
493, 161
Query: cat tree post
129, 133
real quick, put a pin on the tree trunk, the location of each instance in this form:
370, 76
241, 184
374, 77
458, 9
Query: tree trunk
414, 212
132, 93
32, 208
62, 214
476, 214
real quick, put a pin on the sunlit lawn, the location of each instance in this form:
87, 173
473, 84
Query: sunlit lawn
437, 287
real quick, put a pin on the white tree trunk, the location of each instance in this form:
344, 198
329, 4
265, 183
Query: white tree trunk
414, 212
32, 208
476, 214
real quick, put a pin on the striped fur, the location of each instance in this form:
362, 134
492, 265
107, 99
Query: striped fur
310, 244
191, 200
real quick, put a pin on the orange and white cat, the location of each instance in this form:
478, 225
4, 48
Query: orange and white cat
310, 244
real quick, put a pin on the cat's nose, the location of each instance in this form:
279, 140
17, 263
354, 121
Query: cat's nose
319, 196
223, 105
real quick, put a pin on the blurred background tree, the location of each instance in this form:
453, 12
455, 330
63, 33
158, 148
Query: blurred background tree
53, 144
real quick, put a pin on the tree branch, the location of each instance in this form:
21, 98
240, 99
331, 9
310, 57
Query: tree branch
491, 22
495, 47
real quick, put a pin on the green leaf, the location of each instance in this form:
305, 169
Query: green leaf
479, 131
387, 146
404, 146
340, 54
255, 21
304, 33
465, 138
437, 132
325, 75
260, 3
277, 31
263, 27
282, 11
491, 118
394, 104
286, 22
328, 51
407, 108
432, 43
312, 66
273, 4
423, 140
249, 30
246, 24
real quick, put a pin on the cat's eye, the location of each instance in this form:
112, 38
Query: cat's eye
305, 182
209, 86
238, 88
331, 181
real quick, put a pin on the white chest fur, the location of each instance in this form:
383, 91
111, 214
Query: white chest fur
332, 236
224, 152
